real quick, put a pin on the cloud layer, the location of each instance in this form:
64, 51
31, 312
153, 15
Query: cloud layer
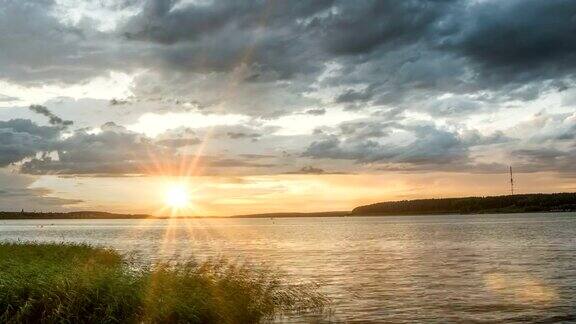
298, 87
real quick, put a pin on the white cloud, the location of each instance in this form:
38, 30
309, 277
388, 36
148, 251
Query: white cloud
153, 124
114, 85
305, 124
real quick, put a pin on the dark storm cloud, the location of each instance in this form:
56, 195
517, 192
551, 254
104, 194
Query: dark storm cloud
351, 96
431, 146
21, 139
221, 35
292, 40
447, 59
115, 150
432, 149
38, 48
287, 36
397, 51
168, 22
513, 49
544, 142
360, 27
489, 43
53, 119
24, 126
519, 40
366, 129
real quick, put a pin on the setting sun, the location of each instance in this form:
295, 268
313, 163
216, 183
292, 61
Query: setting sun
177, 196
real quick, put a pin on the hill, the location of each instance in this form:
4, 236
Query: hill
472, 205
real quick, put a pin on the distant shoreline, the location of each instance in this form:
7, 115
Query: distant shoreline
103, 215
260, 216
510, 204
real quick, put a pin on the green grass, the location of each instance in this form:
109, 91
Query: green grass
59, 283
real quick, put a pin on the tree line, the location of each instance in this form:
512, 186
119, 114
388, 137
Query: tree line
468, 205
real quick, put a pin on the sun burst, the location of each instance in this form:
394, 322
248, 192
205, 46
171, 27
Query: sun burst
177, 196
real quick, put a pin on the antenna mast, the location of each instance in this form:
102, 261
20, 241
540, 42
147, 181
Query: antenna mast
511, 182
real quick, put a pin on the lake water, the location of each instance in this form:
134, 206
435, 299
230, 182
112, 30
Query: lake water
428, 269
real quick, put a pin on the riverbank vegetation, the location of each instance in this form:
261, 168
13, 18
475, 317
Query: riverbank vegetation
61, 283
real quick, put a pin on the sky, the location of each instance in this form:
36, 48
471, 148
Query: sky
274, 106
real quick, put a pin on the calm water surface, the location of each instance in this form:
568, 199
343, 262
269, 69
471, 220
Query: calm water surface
427, 269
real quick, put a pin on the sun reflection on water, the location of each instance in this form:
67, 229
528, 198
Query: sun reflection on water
526, 289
